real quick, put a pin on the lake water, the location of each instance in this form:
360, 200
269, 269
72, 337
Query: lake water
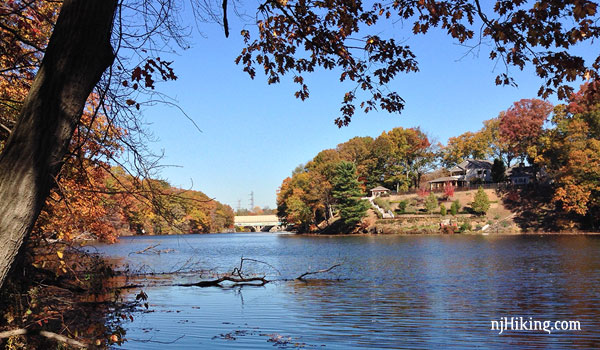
391, 292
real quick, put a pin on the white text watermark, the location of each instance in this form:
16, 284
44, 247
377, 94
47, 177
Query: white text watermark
530, 325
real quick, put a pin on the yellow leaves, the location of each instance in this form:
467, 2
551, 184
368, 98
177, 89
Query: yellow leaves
573, 198
60, 254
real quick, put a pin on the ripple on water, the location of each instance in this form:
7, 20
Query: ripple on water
392, 292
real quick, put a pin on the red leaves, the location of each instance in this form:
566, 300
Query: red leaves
521, 125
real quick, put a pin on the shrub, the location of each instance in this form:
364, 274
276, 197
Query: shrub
411, 206
481, 203
447, 229
449, 190
431, 203
402, 206
465, 226
442, 209
455, 207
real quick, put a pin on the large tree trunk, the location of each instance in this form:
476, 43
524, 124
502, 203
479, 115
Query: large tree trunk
78, 53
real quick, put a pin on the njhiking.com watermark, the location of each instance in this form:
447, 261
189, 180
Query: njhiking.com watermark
524, 324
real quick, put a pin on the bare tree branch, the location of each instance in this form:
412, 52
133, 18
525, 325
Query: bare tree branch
301, 277
49, 335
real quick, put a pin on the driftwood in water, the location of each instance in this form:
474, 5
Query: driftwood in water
236, 281
237, 277
301, 277
150, 249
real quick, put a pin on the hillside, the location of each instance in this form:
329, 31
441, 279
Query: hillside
516, 210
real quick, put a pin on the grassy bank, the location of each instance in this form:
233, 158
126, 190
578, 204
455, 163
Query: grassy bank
511, 211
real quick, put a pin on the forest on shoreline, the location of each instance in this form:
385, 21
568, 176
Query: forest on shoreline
562, 142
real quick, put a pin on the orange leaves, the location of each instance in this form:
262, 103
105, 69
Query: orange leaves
25, 28
573, 198
572, 154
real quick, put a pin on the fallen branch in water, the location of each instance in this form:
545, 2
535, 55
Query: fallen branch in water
236, 280
236, 276
301, 277
49, 335
150, 249
145, 249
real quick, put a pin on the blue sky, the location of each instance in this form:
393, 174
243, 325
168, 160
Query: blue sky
254, 135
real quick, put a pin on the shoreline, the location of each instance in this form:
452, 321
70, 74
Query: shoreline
549, 233
373, 234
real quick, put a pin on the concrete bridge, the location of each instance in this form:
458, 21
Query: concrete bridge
259, 223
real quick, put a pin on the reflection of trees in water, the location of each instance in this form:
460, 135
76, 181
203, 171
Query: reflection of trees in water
450, 295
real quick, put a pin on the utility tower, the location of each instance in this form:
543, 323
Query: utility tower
251, 200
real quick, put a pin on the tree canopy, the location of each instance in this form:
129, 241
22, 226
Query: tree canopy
297, 37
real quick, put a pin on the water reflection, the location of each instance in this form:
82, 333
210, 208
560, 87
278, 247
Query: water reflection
396, 292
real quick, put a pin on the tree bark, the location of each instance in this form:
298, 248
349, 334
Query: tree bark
78, 52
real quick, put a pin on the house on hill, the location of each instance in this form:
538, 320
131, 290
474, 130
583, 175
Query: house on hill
520, 174
468, 172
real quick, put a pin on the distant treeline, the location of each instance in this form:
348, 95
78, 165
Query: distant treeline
114, 203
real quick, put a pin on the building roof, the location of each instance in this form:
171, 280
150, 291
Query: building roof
519, 171
445, 179
380, 188
472, 163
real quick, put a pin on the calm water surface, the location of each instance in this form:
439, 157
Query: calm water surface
392, 292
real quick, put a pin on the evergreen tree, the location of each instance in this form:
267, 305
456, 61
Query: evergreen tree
481, 203
443, 210
346, 190
431, 203
498, 170
455, 207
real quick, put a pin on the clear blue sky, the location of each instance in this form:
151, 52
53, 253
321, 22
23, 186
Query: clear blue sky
254, 135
